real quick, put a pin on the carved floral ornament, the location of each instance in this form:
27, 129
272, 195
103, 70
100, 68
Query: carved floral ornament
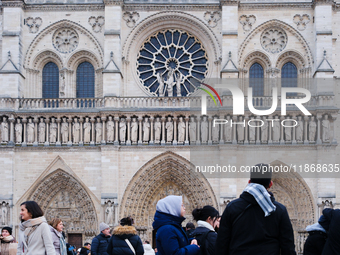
97, 23
247, 21
65, 40
131, 18
33, 24
212, 17
301, 21
274, 39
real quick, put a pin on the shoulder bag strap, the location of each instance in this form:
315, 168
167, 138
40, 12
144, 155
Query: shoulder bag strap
241, 214
130, 245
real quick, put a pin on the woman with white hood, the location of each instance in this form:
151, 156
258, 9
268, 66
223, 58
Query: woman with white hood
171, 239
147, 248
317, 237
34, 232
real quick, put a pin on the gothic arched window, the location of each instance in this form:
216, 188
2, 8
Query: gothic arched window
85, 80
256, 79
50, 81
289, 77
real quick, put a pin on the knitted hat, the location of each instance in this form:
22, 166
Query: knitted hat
9, 229
103, 226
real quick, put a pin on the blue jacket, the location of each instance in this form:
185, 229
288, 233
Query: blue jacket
171, 238
99, 244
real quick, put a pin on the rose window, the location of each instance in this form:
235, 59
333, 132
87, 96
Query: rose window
274, 40
172, 63
65, 40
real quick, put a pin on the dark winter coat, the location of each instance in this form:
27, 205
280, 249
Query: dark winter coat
84, 251
171, 239
99, 244
253, 233
332, 245
117, 244
208, 248
314, 243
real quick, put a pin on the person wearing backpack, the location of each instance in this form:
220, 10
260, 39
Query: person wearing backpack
205, 233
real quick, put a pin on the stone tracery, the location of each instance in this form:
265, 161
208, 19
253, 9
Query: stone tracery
65, 40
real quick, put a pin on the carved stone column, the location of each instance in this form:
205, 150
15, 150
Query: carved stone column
334, 141
246, 119
209, 131
198, 140
270, 127
151, 131
140, 137
222, 131
35, 120
318, 140
69, 120
294, 131
103, 141
282, 141
93, 142
47, 121
58, 143
24, 121
234, 130
128, 121
163, 131
11, 132
81, 139
116, 142
186, 130
174, 142
306, 119
258, 141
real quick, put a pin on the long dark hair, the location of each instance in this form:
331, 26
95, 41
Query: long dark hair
33, 208
204, 213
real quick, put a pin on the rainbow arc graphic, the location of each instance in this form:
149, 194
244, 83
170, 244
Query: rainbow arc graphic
210, 94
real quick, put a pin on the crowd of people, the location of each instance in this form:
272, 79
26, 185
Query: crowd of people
252, 224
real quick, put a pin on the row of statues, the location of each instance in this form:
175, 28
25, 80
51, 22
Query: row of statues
169, 130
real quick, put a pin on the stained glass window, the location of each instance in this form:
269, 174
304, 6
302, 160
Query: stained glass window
256, 79
289, 77
85, 80
50, 81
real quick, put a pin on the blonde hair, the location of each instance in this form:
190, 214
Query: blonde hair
54, 222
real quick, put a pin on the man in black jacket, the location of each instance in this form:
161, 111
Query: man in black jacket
255, 223
332, 246
101, 241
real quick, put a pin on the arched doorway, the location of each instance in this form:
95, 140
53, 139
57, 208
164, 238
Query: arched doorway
166, 174
62, 196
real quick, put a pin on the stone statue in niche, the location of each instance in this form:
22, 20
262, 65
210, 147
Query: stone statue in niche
299, 129
215, 132
181, 130
122, 130
110, 129
134, 130
99, 130
53, 131
146, 129
4, 214
64, 131
276, 130
228, 130
192, 129
204, 130
18, 131
161, 84
288, 131
76, 131
325, 129
30, 131
42, 130
252, 130
158, 128
264, 131
240, 130
4, 130
169, 130
110, 213
170, 82
87, 131
312, 129
179, 81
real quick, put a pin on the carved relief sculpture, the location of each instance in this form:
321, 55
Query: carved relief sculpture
109, 213
76, 131
160, 80
4, 214
192, 130
228, 131
53, 131
252, 132
170, 82
65, 40
64, 131
212, 18
325, 129
134, 131
181, 130
131, 18
122, 130
110, 129
99, 130
276, 130
18, 131
204, 130
247, 21
264, 131
4, 130
288, 131
179, 81
301, 21
87, 131
33, 24
30, 131
274, 40
42, 130
312, 129
157, 127
146, 130
299, 130
97, 23
169, 130
215, 132
240, 130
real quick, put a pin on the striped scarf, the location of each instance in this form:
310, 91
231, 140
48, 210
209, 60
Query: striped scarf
262, 197
63, 250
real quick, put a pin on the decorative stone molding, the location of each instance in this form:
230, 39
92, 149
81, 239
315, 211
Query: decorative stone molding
291, 56
274, 40
256, 56
247, 21
65, 40
170, 7
63, 8
301, 21
131, 18
83, 55
96, 23
47, 56
33, 24
273, 72
212, 17
274, 5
